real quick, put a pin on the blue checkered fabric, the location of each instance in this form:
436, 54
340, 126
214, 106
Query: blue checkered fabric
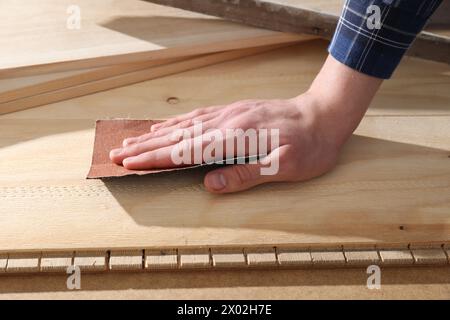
373, 35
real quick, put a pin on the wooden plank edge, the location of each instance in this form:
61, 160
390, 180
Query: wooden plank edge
133, 77
167, 53
80, 78
215, 258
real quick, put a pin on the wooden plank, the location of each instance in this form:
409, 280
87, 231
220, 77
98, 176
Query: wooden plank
112, 32
261, 257
412, 91
128, 78
56, 261
117, 201
295, 16
35, 85
132, 213
23, 262
329, 258
294, 257
127, 260
161, 259
194, 258
11, 89
228, 258
91, 261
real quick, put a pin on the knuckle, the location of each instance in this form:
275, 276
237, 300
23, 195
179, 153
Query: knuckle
184, 124
242, 174
198, 112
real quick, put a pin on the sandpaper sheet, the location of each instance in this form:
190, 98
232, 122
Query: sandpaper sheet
109, 134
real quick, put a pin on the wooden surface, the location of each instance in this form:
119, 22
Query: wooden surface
123, 78
396, 283
111, 32
391, 185
302, 17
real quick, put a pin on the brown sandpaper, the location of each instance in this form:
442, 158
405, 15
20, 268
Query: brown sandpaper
109, 134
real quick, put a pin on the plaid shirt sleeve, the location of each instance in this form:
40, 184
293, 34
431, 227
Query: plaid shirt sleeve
373, 35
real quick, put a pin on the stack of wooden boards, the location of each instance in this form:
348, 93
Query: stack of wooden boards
118, 43
387, 202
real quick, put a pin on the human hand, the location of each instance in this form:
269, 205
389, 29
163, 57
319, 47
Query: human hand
312, 129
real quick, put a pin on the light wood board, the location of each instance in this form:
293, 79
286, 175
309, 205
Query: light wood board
419, 88
22, 87
118, 76
302, 17
34, 36
387, 188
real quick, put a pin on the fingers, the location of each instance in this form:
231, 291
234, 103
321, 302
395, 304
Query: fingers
168, 130
120, 154
191, 115
157, 140
155, 159
245, 176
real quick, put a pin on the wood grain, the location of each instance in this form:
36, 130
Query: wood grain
23, 262
419, 88
425, 254
194, 258
3, 262
86, 81
111, 32
294, 257
264, 257
91, 261
17, 88
298, 17
39, 170
362, 257
395, 255
133, 75
161, 259
56, 261
327, 257
228, 258
126, 260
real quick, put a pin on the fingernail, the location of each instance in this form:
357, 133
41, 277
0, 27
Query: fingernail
115, 153
153, 128
217, 181
126, 162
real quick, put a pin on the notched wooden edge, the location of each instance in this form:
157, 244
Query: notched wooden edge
395, 255
261, 257
126, 260
329, 257
228, 258
91, 260
23, 262
294, 256
194, 258
101, 260
163, 259
56, 261
3, 262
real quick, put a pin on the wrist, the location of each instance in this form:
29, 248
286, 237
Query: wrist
327, 127
338, 99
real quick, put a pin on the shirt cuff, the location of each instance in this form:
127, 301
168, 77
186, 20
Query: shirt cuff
377, 49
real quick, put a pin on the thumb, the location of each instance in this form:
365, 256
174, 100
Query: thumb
239, 177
